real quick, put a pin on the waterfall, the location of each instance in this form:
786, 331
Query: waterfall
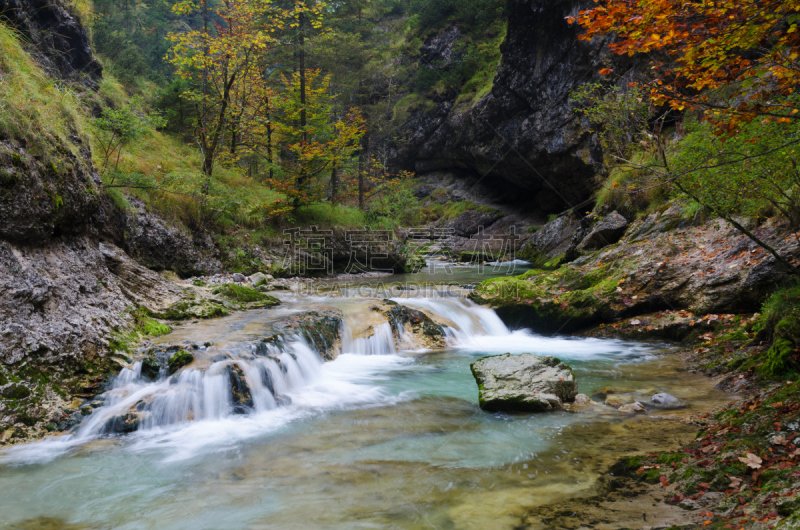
257, 377
224, 388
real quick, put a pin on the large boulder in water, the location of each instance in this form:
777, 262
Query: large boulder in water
523, 382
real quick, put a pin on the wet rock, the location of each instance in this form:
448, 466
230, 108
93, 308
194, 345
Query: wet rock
583, 399
283, 400
634, 407
123, 424
321, 329
602, 393
615, 401
405, 319
241, 397
523, 382
179, 360
266, 379
609, 230
151, 368
667, 401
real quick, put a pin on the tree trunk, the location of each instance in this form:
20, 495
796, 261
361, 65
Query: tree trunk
362, 157
269, 139
334, 183
301, 176
361, 180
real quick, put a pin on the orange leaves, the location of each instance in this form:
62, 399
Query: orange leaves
705, 41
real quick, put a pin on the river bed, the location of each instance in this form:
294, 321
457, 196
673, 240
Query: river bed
381, 437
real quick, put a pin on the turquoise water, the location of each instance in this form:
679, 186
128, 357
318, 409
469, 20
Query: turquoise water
370, 441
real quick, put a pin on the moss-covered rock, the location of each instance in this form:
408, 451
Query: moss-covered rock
191, 309
16, 391
564, 300
151, 368
414, 264
179, 360
238, 293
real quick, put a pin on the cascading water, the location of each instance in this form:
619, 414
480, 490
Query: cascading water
258, 431
224, 388
258, 377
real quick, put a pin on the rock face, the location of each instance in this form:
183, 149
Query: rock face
523, 382
154, 243
604, 233
525, 131
551, 240
59, 40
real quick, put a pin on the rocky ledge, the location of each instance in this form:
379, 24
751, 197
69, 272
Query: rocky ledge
663, 262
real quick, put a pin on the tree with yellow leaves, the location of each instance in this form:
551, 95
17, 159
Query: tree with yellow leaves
224, 52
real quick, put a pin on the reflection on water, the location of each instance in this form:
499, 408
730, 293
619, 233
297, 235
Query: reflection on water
377, 438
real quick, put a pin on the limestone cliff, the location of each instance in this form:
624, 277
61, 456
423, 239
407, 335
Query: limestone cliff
525, 132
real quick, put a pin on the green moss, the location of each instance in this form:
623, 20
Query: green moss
780, 321
179, 360
239, 293
562, 300
652, 476
671, 458
187, 309
154, 328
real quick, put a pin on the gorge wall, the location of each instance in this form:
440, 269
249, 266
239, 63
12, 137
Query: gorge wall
525, 133
68, 283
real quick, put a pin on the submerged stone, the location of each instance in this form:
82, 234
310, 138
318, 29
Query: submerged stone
667, 401
523, 382
632, 408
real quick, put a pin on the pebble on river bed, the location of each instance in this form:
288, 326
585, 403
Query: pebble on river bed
667, 401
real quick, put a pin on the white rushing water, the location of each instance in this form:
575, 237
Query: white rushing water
256, 434
198, 406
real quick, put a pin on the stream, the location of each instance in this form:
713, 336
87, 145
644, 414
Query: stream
387, 435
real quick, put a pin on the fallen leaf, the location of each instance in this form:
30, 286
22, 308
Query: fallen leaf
751, 460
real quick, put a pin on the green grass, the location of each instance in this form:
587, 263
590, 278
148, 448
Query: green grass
325, 214
34, 107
